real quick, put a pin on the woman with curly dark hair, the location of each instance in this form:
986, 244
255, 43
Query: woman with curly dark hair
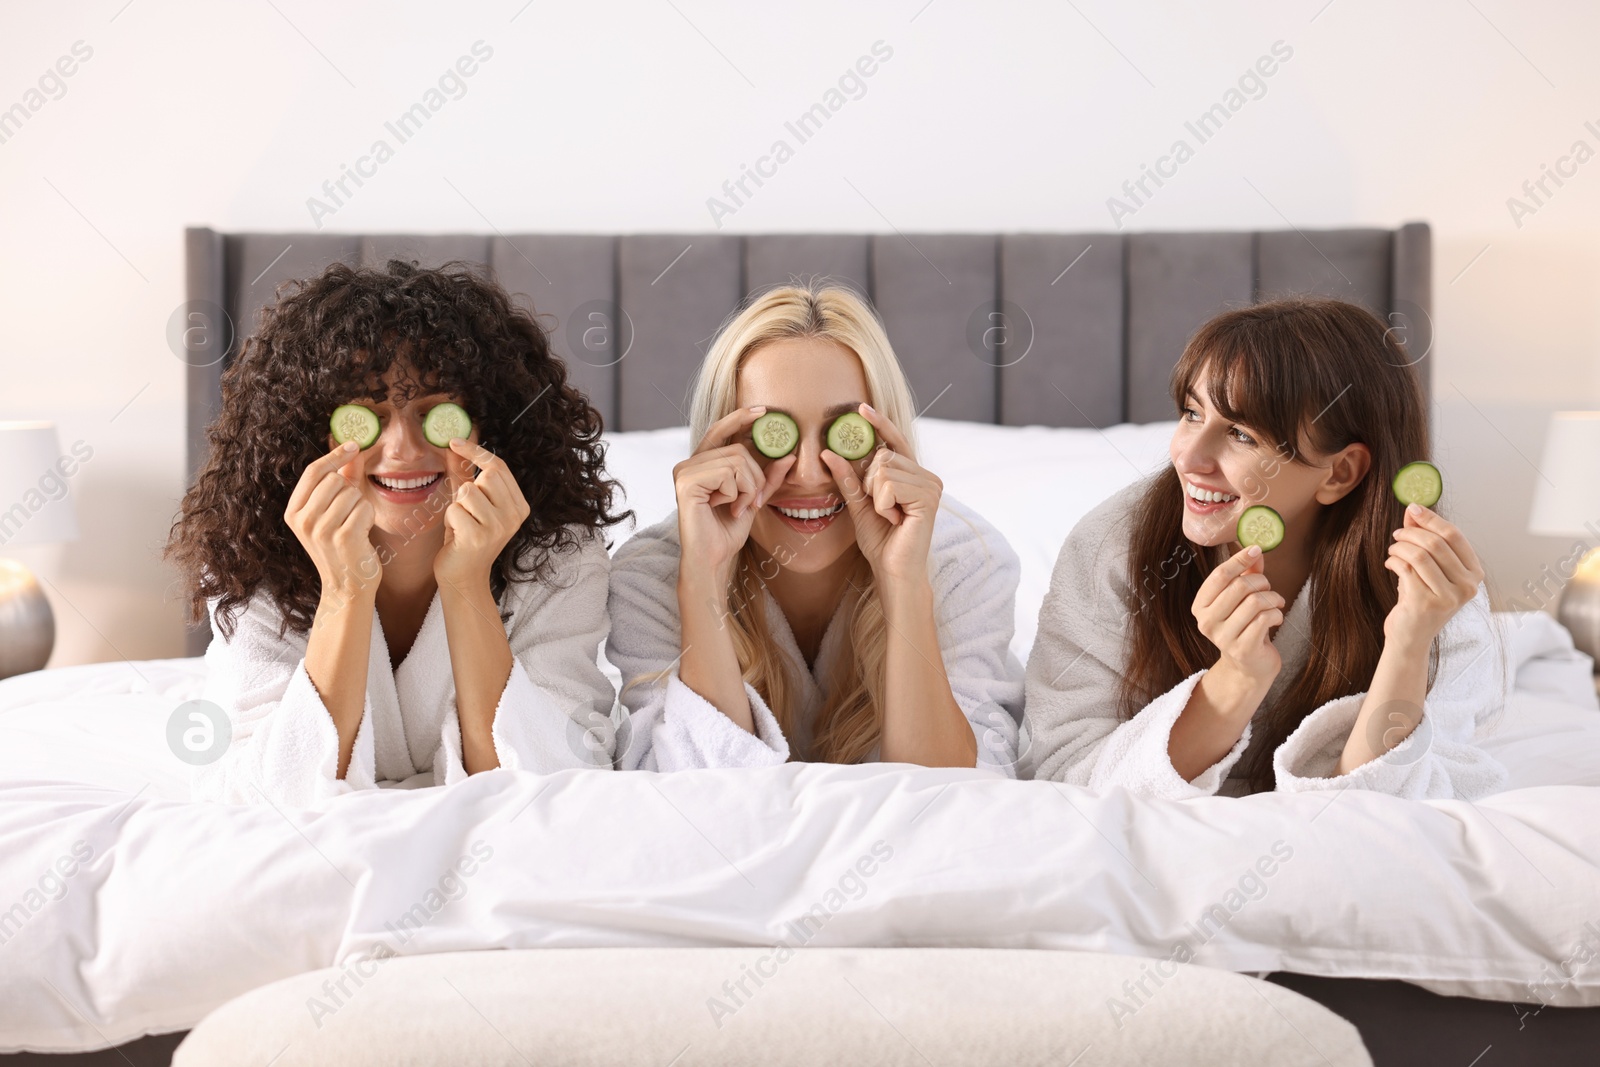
405, 612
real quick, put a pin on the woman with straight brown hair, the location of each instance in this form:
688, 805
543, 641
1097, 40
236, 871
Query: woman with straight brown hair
1358, 652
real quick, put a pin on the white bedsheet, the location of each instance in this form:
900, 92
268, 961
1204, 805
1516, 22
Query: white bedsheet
177, 907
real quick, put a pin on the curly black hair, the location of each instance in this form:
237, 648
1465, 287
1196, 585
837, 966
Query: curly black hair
331, 338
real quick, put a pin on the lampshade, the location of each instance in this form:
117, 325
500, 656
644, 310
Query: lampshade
35, 506
1566, 500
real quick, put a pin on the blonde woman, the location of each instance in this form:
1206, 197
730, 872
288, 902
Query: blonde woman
808, 606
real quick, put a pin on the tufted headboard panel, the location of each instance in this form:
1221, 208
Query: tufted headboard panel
1019, 329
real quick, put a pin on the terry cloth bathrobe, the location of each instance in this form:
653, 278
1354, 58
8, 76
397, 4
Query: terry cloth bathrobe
973, 572
1074, 734
554, 712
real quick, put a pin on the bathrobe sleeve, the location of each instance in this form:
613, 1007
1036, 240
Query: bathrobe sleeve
1073, 731
974, 573
670, 727
1441, 759
283, 748
555, 710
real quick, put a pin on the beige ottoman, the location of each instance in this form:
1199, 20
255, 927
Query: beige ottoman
678, 1007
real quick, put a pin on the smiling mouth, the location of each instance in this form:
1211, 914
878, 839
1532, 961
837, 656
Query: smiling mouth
1206, 500
808, 520
406, 486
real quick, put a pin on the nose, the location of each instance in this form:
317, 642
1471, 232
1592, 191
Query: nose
1193, 450
402, 438
808, 469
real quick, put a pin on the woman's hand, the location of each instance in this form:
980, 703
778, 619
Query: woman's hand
1438, 571
893, 505
1236, 609
720, 489
484, 514
333, 522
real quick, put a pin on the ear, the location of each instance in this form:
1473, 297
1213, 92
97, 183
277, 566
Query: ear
1349, 465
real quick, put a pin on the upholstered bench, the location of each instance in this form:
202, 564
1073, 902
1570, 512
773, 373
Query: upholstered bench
681, 1006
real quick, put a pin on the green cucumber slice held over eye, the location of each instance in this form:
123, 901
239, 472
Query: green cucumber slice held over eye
1260, 525
353, 422
775, 434
1418, 483
445, 421
851, 436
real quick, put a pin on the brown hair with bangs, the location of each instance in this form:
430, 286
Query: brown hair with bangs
1302, 374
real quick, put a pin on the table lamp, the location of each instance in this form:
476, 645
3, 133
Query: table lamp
35, 508
1566, 503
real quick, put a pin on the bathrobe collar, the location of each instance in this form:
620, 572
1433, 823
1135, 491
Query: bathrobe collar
811, 694
409, 702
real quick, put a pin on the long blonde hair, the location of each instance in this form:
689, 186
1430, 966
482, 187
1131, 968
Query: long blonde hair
850, 724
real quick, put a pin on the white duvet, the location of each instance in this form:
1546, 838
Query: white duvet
125, 909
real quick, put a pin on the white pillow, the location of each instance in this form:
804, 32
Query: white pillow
1032, 482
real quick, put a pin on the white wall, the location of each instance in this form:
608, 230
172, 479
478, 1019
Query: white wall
624, 117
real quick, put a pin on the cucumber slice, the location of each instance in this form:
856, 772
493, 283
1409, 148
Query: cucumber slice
775, 434
354, 422
1260, 525
851, 436
1418, 483
445, 421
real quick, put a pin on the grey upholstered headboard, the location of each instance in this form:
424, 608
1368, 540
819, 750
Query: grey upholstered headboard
1019, 329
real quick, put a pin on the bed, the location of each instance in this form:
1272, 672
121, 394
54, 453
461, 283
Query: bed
1440, 929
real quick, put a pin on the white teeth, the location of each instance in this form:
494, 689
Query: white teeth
810, 513
1207, 496
404, 484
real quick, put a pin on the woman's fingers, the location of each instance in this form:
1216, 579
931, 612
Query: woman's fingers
1446, 543
322, 496
852, 487
728, 427
1423, 565
1259, 630
896, 489
1440, 552
864, 488
716, 485
885, 427
773, 477
723, 481
1430, 520
476, 503
1235, 592
495, 480
339, 505
318, 469
737, 481
1220, 578
885, 500
751, 482
358, 523
1254, 605
463, 458
1410, 585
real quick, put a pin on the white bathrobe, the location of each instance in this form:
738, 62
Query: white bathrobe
553, 713
1073, 733
974, 575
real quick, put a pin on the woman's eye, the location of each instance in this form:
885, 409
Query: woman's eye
1187, 412
1240, 436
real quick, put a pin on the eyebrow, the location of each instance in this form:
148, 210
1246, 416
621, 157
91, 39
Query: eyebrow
833, 412
419, 398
